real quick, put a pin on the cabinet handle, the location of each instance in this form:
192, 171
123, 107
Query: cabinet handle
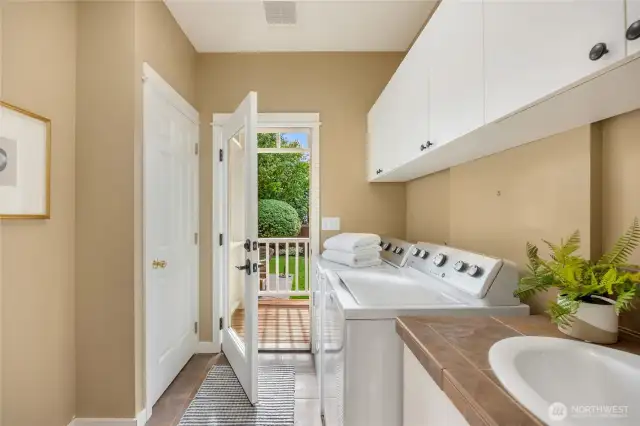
633, 32
598, 51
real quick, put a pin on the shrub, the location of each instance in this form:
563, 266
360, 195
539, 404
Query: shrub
277, 219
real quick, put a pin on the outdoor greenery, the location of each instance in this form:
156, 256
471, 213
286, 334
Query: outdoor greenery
284, 177
282, 261
277, 219
579, 280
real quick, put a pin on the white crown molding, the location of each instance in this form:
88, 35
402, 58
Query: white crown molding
208, 348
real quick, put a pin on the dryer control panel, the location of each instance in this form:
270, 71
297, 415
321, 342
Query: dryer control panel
472, 273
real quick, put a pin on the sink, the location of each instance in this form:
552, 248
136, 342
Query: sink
567, 382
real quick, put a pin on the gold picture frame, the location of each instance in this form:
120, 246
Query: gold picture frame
45, 183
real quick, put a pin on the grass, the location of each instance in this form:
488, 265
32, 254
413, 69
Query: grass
292, 271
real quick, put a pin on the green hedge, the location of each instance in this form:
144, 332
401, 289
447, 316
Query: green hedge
277, 219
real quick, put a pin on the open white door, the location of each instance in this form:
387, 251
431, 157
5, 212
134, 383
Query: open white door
240, 244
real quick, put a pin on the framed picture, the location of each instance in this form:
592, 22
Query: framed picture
25, 164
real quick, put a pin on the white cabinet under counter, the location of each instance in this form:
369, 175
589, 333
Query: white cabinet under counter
492, 75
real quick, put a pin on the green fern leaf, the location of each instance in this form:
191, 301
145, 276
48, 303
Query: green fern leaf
563, 313
624, 302
625, 245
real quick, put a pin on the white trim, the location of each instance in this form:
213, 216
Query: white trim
208, 348
140, 420
150, 76
172, 96
309, 121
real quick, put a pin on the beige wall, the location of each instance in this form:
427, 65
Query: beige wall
621, 187
114, 40
342, 87
585, 179
37, 272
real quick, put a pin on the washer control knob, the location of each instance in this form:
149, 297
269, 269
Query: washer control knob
386, 246
415, 252
399, 250
440, 259
424, 254
474, 271
460, 266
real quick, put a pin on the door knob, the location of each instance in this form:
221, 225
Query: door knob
246, 267
598, 51
159, 264
633, 32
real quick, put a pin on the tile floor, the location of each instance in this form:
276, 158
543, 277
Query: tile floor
173, 403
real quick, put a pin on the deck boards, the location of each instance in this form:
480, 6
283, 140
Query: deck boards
282, 324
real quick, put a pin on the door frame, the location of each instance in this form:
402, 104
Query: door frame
150, 76
303, 120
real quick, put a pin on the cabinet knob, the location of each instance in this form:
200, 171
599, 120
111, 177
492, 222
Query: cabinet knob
598, 51
422, 147
429, 144
633, 32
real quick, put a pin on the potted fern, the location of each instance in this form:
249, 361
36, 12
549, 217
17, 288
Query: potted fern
591, 295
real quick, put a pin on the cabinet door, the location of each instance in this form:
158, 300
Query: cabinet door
455, 50
532, 48
411, 103
374, 140
633, 18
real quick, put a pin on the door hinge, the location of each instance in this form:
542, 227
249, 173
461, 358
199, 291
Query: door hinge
197, 149
195, 238
221, 324
195, 327
221, 238
221, 155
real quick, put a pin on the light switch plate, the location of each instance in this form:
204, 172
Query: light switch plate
330, 223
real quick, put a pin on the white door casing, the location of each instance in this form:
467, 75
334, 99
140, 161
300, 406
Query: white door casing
240, 152
266, 122
170, 226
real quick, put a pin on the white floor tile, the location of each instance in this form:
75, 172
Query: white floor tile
306, 386
307, 412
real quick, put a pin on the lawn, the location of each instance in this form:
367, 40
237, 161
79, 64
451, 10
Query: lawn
292, 266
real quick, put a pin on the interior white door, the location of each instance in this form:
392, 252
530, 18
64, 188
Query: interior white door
633, 27
170, 188
534, 48
240, 286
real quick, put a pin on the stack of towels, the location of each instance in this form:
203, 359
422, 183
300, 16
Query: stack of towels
355, 250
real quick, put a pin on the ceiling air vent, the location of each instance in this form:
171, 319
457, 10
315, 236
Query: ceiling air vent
280, 12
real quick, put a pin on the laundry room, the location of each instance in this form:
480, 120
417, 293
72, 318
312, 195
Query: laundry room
319, 213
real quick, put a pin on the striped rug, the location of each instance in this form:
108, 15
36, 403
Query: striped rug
221, 401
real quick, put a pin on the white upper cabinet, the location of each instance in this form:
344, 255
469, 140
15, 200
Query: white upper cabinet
455, 51
633, 26
398, 123
534, 48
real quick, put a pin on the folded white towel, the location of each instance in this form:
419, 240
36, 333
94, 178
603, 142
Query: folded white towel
351, 243
351, 259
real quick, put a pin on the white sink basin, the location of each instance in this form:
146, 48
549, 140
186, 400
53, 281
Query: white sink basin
566, 382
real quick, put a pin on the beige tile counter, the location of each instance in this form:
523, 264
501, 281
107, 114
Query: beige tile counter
454, 351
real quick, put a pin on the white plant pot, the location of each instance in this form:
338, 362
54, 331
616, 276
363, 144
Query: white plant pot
595, 323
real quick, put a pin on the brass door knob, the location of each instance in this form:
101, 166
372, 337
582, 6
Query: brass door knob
159, 264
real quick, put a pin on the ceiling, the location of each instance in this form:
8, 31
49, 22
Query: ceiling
322, 25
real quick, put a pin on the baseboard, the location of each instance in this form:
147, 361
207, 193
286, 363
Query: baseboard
140, 420
208, 348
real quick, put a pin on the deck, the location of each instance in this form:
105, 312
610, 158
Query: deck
283, 324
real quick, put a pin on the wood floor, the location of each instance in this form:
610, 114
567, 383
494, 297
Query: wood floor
282, 324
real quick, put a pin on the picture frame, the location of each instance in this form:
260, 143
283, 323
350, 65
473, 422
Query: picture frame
25, 164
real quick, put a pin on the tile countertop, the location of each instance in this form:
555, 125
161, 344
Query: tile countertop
454, 351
